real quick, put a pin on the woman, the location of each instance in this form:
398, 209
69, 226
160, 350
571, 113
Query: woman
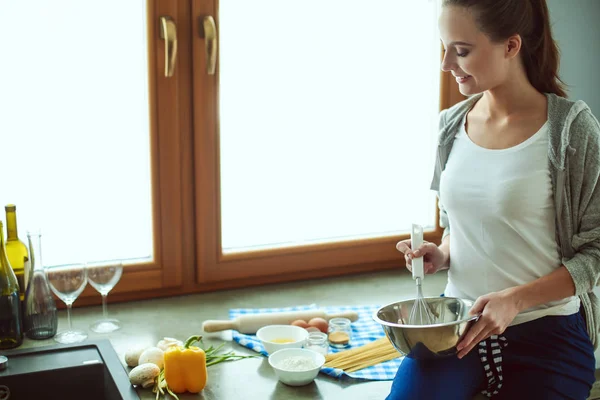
517, 180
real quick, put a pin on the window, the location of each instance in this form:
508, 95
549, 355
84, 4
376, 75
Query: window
305, 135
94, 139
327, 120
74, 114
297, 155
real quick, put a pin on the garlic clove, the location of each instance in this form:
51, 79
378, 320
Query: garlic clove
132, 355
167, 342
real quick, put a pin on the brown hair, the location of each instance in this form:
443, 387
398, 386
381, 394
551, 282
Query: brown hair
500, 19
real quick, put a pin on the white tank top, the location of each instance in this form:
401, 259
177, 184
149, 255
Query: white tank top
502, 220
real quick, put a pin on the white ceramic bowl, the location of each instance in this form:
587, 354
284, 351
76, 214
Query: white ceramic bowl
296, 378
270, 334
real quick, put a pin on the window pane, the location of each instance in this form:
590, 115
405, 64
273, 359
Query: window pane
328, 118
74, 126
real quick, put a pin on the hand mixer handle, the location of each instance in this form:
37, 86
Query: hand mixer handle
416, 240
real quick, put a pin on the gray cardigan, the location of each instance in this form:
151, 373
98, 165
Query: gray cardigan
574, 163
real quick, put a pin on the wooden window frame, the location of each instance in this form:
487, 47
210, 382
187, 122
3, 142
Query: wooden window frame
171, 167
185, 186
218, 270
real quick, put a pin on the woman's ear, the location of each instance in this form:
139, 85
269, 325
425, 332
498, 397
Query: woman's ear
513, 46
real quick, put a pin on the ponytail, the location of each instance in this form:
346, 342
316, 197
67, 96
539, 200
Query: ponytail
541, 56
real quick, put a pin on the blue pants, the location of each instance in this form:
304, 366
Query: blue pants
550, 358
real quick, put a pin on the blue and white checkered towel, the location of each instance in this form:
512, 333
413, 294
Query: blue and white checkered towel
364, 330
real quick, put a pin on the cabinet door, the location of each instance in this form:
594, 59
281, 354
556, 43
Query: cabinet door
95, 127
314, 135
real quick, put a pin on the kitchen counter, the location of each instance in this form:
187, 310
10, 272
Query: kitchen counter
146, 322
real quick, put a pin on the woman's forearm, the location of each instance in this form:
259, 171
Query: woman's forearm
557, 285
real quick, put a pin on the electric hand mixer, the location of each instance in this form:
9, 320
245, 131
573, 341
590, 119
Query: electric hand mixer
420, 314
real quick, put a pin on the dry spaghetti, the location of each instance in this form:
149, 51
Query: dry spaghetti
365, 356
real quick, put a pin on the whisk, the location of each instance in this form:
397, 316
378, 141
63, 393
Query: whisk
420, 313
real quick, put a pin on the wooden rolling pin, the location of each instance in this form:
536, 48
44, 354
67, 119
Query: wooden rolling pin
252, 322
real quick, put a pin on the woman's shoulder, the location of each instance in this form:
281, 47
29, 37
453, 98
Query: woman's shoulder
565, 110
572, 124
584, 132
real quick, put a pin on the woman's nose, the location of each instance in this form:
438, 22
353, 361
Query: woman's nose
447, 64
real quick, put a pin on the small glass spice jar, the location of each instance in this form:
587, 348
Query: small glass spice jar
317, 341
339, 332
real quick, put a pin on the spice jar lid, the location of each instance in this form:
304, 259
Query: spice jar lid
340, 321
3, 362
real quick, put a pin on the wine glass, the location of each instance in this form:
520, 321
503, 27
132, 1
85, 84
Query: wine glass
67, 282
103, 276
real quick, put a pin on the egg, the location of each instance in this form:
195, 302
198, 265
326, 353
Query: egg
319, 323
301, 323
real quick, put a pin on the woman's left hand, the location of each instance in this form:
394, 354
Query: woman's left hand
497, 310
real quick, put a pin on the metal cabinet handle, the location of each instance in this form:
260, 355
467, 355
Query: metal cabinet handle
209, 33
168, 32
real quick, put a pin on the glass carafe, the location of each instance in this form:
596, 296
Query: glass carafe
41, 318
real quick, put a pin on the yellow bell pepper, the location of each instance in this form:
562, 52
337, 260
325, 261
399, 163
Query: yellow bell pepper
185, 367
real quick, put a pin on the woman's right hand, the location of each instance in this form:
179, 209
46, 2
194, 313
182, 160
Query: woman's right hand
434, 258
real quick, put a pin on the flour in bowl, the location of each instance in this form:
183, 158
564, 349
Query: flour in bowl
298, 363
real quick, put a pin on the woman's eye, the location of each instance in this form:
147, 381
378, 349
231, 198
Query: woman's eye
463, 54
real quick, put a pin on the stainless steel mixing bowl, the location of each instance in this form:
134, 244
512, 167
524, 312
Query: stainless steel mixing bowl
426, 341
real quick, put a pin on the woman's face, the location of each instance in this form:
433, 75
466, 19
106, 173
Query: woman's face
476, 63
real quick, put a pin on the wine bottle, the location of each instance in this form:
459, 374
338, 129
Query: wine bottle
40, 318
15, 249
11, 333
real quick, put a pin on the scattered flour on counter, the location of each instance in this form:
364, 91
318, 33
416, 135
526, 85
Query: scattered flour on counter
297, 364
